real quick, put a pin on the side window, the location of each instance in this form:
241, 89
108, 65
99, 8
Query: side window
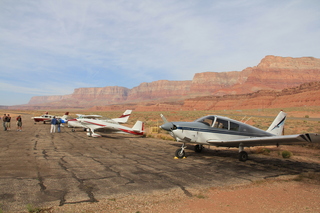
221, 124
234, 126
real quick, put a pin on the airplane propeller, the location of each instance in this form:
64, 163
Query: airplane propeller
168, 126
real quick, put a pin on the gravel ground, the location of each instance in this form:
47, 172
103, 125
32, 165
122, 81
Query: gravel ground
288, 194
70, 172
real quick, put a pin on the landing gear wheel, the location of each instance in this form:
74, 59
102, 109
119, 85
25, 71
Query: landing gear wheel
180, 153
73, 130
243, 156
198, 148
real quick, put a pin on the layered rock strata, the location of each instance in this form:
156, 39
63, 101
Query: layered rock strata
272, 73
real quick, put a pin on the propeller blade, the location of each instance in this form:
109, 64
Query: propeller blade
164, 119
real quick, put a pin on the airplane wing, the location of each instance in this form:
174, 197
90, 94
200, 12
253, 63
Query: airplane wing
267, 141
89, 116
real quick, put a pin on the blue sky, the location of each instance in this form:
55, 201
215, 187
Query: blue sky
52, 47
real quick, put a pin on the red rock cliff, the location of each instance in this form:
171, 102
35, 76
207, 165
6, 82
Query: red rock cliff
162, 89
272, 73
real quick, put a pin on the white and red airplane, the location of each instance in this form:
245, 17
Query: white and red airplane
110, 125
47, 118
75, 123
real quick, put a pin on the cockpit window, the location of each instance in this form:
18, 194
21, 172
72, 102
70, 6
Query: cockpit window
208, 120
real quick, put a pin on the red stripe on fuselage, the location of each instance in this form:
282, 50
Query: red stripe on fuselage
94, 123
41, 119
131, 132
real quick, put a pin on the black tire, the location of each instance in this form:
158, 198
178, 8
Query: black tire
198, 148
72, 130
243, 156
180, 153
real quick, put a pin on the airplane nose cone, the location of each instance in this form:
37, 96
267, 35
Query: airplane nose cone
167, 126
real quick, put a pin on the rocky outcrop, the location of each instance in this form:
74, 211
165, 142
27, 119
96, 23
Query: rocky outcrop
215, 82
272, 73
47, 99
105, 94
304, 95
162, 89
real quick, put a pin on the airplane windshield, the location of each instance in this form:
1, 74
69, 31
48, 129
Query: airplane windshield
208, 120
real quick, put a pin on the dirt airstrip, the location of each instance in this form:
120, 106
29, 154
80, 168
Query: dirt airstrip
70, 172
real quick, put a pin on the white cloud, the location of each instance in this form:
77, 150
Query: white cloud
125, 43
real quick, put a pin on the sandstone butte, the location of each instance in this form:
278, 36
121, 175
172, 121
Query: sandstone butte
274, 82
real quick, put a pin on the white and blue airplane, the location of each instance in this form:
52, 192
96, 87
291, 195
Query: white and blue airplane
221, 131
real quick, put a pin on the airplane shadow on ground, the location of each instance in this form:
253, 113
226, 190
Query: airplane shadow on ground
290, 166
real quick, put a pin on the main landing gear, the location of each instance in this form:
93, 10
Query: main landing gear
180, 153
91, 133
243, 156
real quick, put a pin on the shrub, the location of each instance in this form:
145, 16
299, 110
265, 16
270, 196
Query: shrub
261, 150
286, 154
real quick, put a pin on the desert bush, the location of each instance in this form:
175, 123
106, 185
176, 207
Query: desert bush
286, 154
261, 150
32, 209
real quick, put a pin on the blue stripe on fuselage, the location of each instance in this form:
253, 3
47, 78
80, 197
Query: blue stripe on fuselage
220, 131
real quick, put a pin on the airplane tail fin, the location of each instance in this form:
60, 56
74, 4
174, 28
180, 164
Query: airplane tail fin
64, 118
277, 125
138, 127
124, 117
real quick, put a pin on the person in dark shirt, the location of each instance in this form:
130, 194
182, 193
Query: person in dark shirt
8, 126
19, 123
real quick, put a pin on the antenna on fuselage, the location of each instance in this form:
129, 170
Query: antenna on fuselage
243, 118
247, 119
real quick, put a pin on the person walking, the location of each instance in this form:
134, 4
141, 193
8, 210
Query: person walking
8, 124
19, 123
4, 120
58, 124
53, 125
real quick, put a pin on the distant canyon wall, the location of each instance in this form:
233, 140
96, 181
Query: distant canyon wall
272, 73
306, 94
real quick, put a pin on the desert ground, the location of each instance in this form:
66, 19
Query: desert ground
70, 172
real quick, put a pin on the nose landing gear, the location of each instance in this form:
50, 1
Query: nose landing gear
180, 153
